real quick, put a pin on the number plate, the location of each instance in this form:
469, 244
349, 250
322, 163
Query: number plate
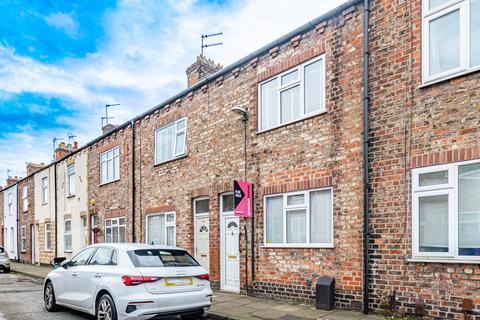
171, 282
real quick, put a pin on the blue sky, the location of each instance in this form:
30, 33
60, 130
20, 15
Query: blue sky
62, 61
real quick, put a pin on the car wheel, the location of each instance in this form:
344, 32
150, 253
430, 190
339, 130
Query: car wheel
7, 270
195, 316
106, 308
49, 298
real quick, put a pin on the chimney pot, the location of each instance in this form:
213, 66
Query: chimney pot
108, 127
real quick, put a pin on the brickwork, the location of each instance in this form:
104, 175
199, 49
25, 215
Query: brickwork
112, 199
413, 126
26, 218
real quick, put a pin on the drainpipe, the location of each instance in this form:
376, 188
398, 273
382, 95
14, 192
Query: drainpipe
55, 206
18, 226
133, 181
366, 181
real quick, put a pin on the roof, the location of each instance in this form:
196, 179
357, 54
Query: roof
243, 61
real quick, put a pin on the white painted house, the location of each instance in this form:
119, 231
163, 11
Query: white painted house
10, 216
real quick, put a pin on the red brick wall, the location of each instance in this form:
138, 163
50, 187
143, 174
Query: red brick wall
413, 127
111, 199
26, 218
322, 151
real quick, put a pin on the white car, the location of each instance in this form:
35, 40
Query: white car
4, 260
130, 281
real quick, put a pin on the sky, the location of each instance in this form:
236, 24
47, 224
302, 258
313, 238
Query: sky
62, 61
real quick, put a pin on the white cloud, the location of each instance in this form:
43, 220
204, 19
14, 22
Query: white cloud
142, 60
63, 21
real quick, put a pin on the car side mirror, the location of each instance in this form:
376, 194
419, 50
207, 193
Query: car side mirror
65, 264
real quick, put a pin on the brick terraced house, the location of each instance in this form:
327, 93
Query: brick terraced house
425, 157
288, 118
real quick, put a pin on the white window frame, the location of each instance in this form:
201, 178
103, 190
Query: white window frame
450, 189
69, 233
47, 233
45, 190
114, 170
23, 234
10, 204
71, 174
428, 15
301, 81
93, 218
25, 198
85, 232
286, 208
167, 224
118, 225
203, 214
177, 133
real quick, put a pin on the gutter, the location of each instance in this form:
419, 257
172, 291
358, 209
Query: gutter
134, 240
366, 178
55, 206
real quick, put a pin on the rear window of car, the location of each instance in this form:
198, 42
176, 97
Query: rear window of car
161, 258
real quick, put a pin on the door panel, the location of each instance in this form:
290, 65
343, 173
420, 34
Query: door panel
232, 255
202, 245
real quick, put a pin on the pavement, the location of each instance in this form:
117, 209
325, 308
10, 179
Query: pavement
224, 306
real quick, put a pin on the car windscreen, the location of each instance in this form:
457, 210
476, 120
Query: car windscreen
161, 258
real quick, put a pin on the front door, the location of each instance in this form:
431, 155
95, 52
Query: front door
202, 246
32, 243
230, 246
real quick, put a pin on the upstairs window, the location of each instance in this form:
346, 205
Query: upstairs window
170, 141
292, 95
110, 165
451, 33
25, 198
44, 190
71, 180
10, 204
446, 211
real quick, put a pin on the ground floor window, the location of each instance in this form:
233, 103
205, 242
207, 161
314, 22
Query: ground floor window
67, 236
446, 211
48, 241
115, 230
24, 238
161, 229
299, 219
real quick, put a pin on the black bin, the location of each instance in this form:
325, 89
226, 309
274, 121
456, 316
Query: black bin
325, 293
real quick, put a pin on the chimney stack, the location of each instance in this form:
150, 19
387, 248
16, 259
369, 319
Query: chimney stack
108, 127
12, 180
64, 150
201, 69
34, 167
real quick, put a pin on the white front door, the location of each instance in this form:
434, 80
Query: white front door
229, 245
202, 245
32, 242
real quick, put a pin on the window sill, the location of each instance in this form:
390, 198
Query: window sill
293, 121
23, 251
70, 196
108, 182
298, 246
44, 204
427, 84
49, 250
68, 251
444, 260
171, 160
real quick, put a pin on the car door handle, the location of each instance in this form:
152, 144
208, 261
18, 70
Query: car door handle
98, 275
74, 274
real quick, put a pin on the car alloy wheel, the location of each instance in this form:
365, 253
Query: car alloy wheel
48, 296
105, 310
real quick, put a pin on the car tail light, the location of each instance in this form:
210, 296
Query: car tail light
204, 277
136, 280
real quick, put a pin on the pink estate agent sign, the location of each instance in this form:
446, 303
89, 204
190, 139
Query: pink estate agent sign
243, 198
